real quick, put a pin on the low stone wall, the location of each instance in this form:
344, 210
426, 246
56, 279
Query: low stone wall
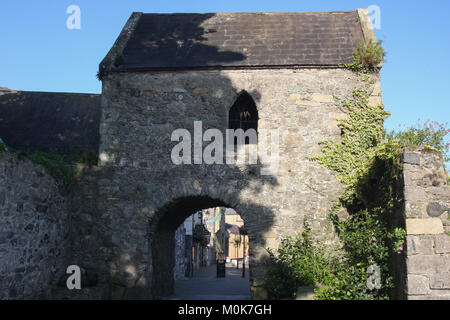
427, 209
33, 229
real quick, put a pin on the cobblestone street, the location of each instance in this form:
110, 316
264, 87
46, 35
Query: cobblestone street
205, 286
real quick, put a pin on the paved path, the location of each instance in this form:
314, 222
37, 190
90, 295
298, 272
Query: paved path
205, 286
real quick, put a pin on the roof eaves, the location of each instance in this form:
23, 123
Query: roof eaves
250, 67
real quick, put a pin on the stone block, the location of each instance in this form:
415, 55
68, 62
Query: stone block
415, 209
418, 284
435, 209
411, 158
324, 98
333, 124
307, 103
377, 89
424, 226
442, 244
294, 96
416, 194
338, 115
271, 234
440, 281
199, 91
419, 245
375, 101
428, 264
288, 212
429, 297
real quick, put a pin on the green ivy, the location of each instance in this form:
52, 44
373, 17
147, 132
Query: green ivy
61, 167
367, 163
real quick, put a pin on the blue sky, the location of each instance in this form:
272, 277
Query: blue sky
39, 53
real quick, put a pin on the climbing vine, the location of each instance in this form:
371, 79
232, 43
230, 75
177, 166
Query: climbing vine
367, 163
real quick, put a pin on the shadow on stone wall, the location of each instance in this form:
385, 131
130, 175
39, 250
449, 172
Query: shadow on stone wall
156, 104
258, 220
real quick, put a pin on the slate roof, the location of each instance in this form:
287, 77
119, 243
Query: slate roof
50, 121
174, 41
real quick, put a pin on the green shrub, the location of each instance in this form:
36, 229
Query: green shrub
56, 165
280, 281
61, 167
368, 57
347, 283
298, 262
430, 135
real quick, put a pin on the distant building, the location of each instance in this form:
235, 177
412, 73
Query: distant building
237, 242
190, 256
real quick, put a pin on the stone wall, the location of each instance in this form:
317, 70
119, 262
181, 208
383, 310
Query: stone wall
33, 229
181, 261
427, 209
141, 184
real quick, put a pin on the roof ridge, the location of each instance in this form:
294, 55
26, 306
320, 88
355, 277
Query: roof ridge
247, 12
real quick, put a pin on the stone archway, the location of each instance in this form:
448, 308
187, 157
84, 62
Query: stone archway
162, 241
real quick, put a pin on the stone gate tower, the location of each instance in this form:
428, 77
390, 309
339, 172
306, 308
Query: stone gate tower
169, 71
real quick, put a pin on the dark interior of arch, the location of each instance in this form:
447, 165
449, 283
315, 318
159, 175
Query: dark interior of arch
170, 218
243, 114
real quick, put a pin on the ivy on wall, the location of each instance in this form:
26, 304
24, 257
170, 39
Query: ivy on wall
366, 161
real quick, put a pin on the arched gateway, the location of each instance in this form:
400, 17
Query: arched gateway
169, 80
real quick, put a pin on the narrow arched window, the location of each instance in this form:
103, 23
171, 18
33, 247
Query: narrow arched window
243, 114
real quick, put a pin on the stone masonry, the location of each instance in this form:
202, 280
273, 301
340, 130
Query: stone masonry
124, 213
149, 90
427, 213
181, 261
142, 185
34, 234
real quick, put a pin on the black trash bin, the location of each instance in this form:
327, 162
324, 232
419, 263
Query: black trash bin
221, 268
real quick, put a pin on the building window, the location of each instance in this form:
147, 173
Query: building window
243, 114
